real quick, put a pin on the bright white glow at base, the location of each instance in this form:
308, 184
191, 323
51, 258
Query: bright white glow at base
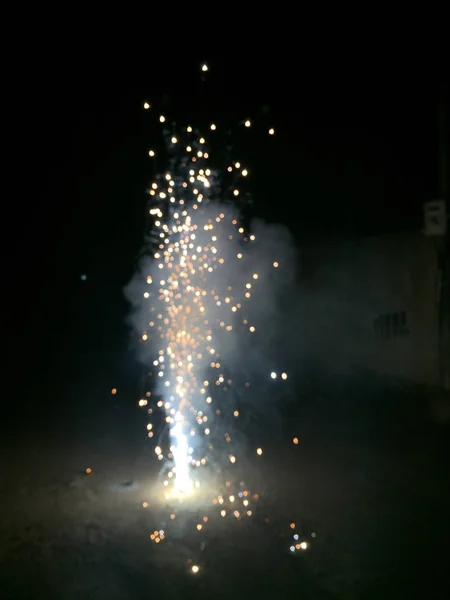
196, 293
180, 451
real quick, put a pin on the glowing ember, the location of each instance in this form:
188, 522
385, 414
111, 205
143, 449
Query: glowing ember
192, 301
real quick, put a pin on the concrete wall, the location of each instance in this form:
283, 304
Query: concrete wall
372, 304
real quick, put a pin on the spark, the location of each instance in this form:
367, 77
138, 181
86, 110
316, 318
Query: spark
188, 292
190, 305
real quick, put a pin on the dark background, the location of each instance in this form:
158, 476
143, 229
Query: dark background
355, 153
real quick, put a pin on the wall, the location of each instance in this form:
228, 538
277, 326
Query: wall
372, 304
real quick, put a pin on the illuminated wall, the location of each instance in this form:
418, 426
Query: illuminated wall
372, 304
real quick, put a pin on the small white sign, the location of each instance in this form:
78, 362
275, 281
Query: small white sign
435, 217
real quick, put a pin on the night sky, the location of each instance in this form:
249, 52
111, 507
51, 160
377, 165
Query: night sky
354, 154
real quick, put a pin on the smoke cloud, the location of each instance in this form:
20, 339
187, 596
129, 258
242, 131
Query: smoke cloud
255, 278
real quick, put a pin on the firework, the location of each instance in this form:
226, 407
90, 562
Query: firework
197, 297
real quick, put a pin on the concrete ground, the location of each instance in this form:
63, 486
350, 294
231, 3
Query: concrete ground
367, 488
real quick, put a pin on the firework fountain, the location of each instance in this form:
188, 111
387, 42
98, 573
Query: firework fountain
197, 294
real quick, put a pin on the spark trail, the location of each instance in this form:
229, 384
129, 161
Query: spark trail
199, 294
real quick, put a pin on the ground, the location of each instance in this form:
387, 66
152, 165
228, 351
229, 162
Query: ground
367, 487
